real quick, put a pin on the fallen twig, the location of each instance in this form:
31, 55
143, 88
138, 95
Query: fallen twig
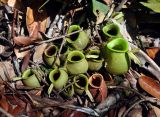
49, 40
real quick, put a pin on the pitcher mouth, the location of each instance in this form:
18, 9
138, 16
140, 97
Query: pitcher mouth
50, 51
95, 80
72, 38
54, 75
111, 30
82, 81
118, 45
27, 74
75, 56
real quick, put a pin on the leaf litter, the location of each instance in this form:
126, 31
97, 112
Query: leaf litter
27, 28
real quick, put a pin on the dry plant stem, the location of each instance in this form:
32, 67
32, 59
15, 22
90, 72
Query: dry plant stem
126, 88
49, 40
89, 111
123, 2
108, 15
149, 99
130, 108
63, 42
99, 37
149, 60
33, 101
153, 100
5, 112
72, 83
13, 24
16, 92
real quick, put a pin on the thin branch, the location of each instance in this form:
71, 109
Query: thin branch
123, 2
126, 88
49, 40
72, 83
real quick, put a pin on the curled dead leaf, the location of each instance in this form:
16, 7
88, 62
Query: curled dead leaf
152, 52
18, 4
151, 113
156, 110
37, 56
6, 71
121, 111
25, 62
108, 1
4, 103
36, 21
150, 86
21, 40
20, 54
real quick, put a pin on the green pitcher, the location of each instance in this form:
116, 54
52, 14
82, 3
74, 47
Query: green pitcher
116, 56
76, 62
81, 85
111, 30
29, 79
59, 78
78, 40
50, 56
95, 62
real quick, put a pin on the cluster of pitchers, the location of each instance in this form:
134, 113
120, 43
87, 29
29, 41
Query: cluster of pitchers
76, 62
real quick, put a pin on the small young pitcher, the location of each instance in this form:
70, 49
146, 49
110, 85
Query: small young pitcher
58, 78
111, 30
95, 62
81, 85
30, 79
50, 56
97, 87
76, 62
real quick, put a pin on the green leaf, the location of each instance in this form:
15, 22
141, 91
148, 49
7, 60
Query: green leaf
153, 5
134, 58
99, 9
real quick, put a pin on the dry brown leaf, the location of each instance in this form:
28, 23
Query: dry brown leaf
70, 113
21, 40
4, 103
18, 4
25, 62
15, 101
17, 111
30, 111
108, 1
156, 110
150, 86
37, 57
35, 20
121, 111
152, 52
6, 71
40, 114
20, 54
135, 112
151, 113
